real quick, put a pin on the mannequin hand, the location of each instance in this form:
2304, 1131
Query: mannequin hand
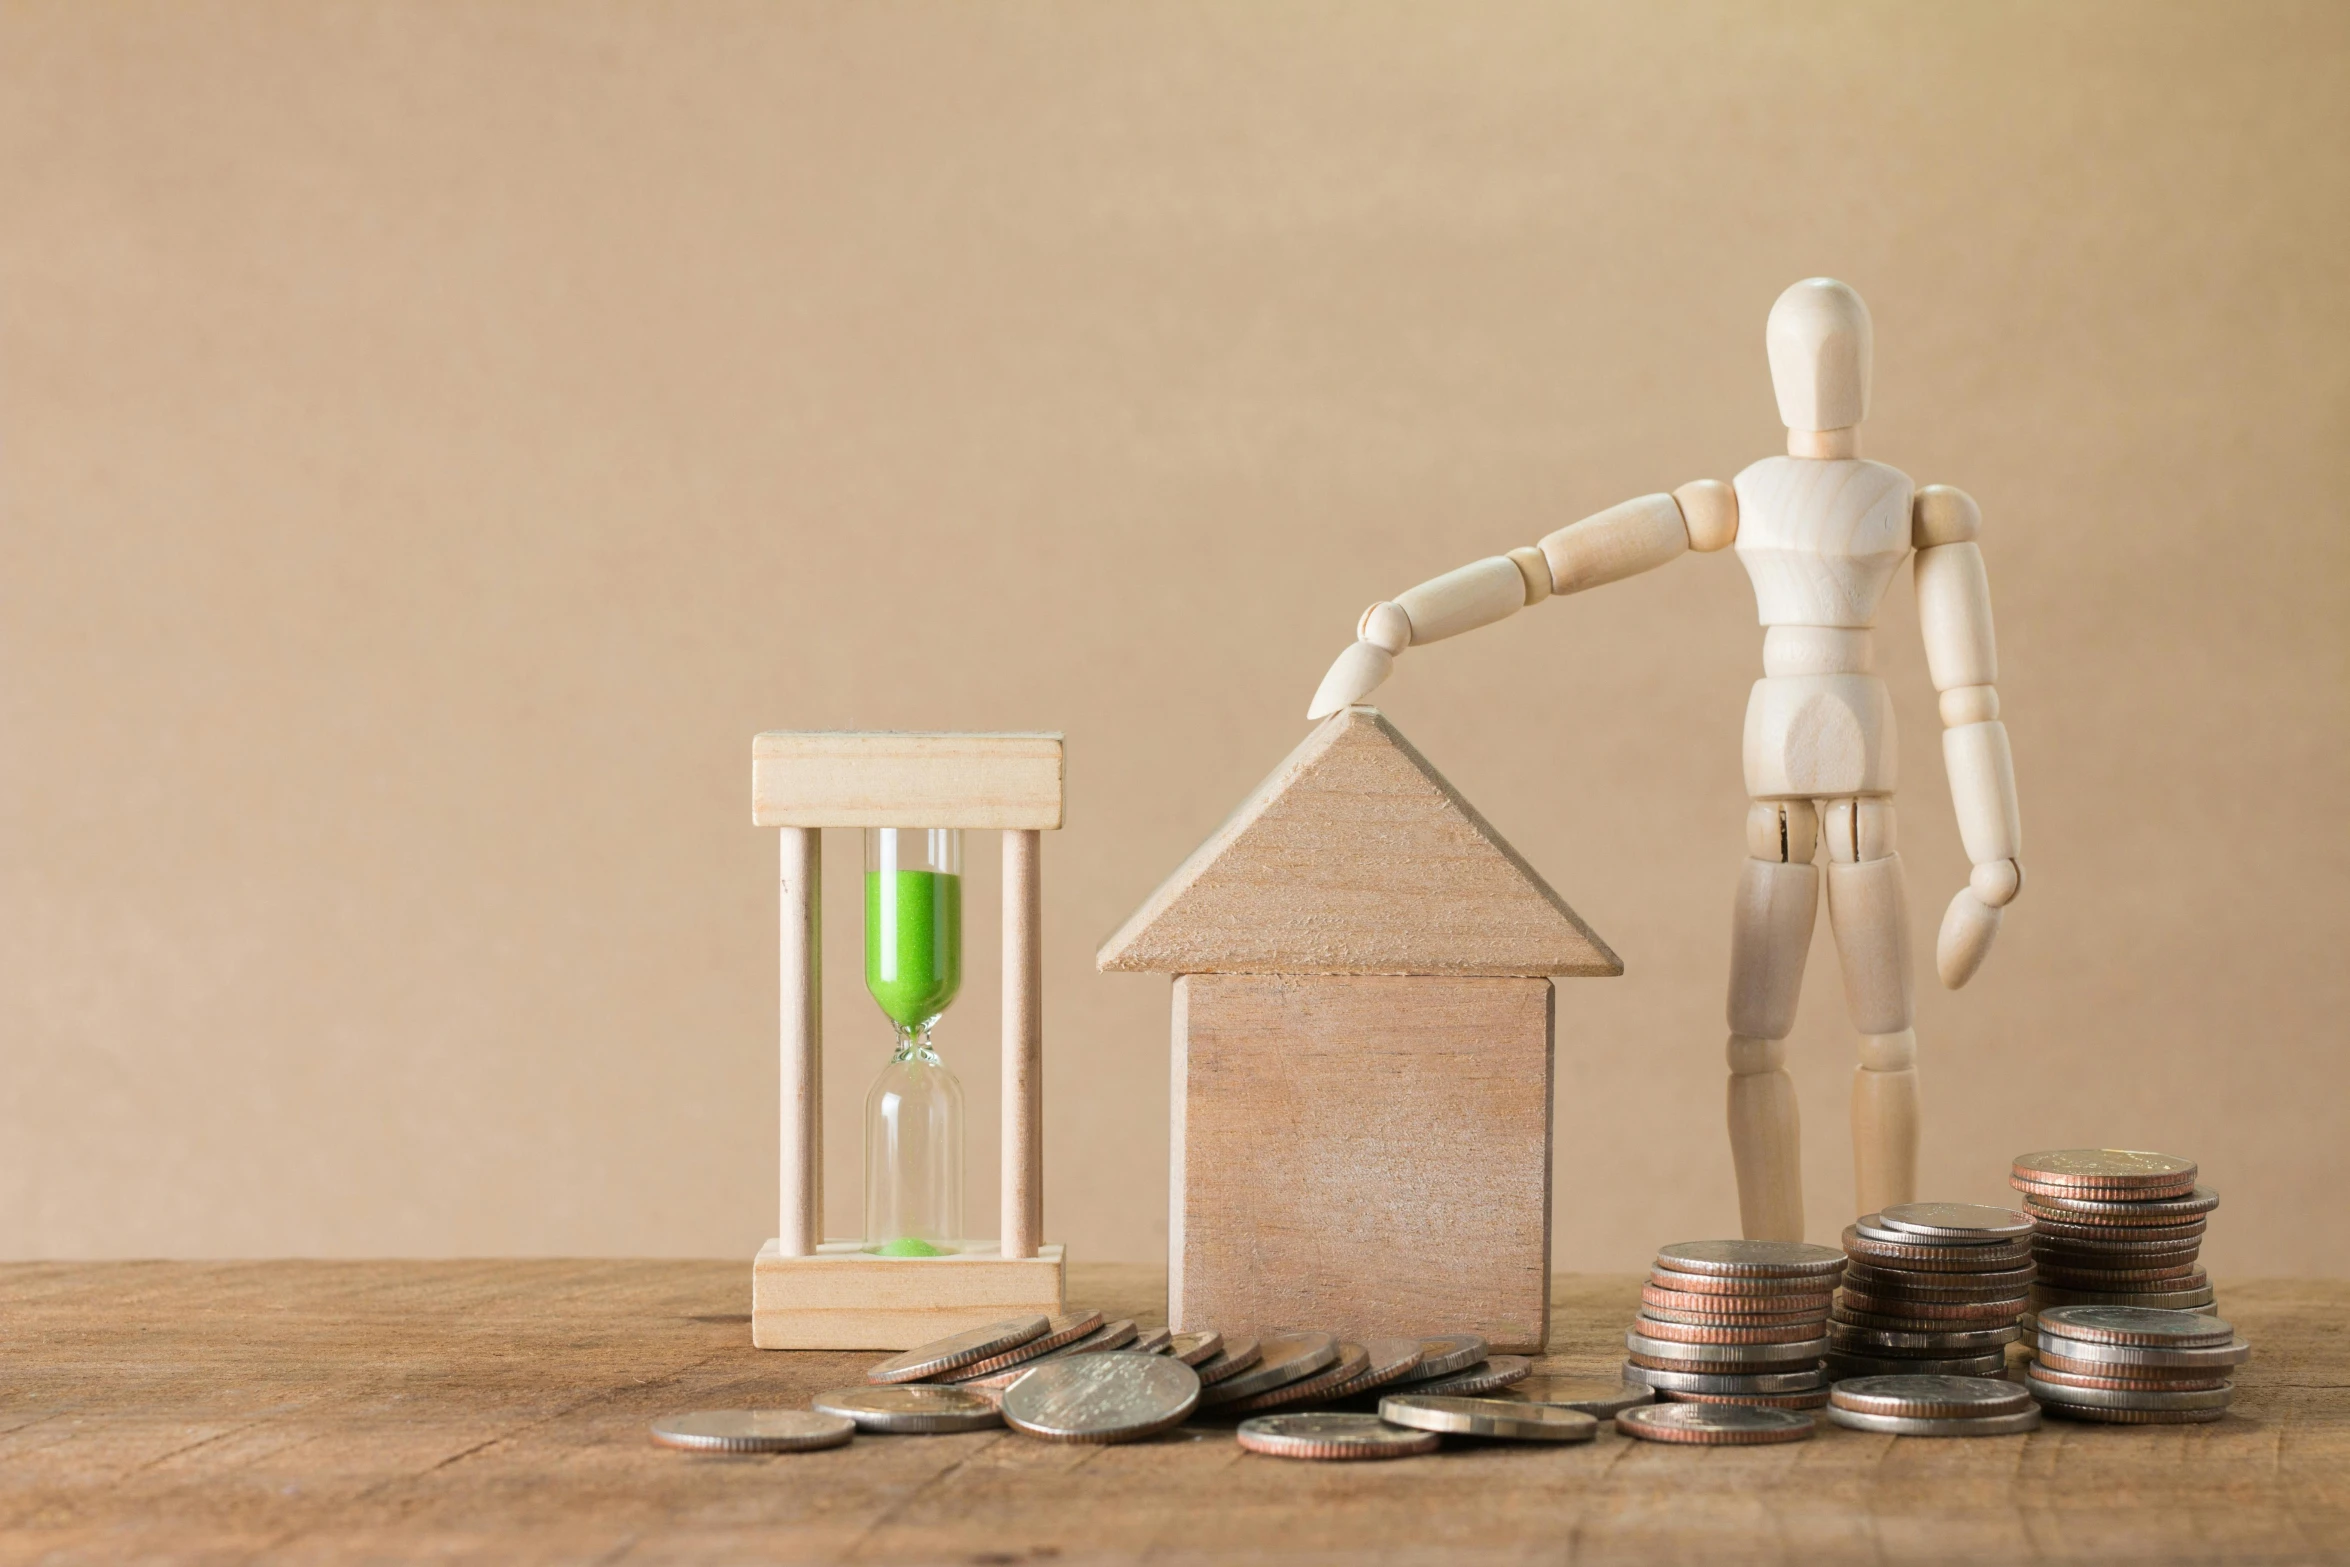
1355, 675
1972, 921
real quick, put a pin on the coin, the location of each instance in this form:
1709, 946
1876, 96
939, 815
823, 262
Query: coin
1110, 1397
2073, 1355
1236, 1356
1930, 1398
1805, 1381
1763, 1259
1282, 1358
1711, 1306
1957, 1220
1592, 1395
2180, 1276
1845, 1335
910, 1407
1488, 1417
1902, 1283
1718, 1333
2003, 1308
2126, 1168
1939, 1328
1060, 1331
958, 1350
1450, 1352
2081, 1210
2065, 1230
1654, 1313
1971, 1425
2131, 1398
2134, 1325
1714, 1425
1388, 1360
1196, 1349
1151, 1341
1744, 1286
1921, 1255
752, 1431
1494, 1371
1353, 1361
1817, 1398
1110, 1335
2157, 1300
2157, 1378
1842, 1366
1740, 1355
2135, 1417
1332, 1437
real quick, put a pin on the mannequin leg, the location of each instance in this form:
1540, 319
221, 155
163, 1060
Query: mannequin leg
1868, 909
1770, 936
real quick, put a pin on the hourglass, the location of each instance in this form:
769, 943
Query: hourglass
914, 1273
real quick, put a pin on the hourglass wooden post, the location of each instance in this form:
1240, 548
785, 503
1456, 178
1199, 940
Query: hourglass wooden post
811, 1293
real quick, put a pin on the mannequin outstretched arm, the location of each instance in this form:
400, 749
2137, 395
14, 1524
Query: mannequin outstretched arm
1623, 541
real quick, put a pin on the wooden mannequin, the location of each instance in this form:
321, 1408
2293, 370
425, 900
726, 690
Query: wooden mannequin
1821, 533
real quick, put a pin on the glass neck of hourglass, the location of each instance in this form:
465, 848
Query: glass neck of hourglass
914, 1043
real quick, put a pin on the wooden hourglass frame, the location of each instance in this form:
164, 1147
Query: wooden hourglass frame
811, 1293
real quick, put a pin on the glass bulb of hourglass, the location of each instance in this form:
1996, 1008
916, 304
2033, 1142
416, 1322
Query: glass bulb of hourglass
914, 1112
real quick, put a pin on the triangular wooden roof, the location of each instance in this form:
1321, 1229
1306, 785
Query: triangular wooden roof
1356, 857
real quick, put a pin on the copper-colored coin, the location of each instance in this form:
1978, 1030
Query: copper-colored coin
1817, 1399
1390, 1359
1716, 1333
1353, 1360
1197, 1349
1333, 1437
1724, 1319
2135, 1417
1061, 1331
1743, 1286
2130, 1169
1906, 1283
2002, 1309
2178, 1275
1714, 1425
2060, 1222
1787, 1307
2201, 1200
1236, 1356
2044, 1373
958, 1350
1284, 1358
1750, 1259
1937, 1259
2132, 1235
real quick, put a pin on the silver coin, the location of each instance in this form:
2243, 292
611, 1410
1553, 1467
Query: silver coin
2131, 1398
1059, 1332
1151, 1341
1236, 1356
1196, 1349
753, 1431
1872, 1227
1760, 1259
1449, 1352
2134, 1325
1930, 1397
909, 1407
1842, 1366
2158, 1300
1320, 1388
1332, 1437
1968, 1221
1592, 1395
1109, 1336
1386, 1360
1488, 1417
1282, 1358
1967, 1425
1714, 1425
1110, 1397
2080, 1352
1726, 1381
2118, 1167
2082, 1200
958, 1350
1843, 1335
1725, 1354
1494, 1371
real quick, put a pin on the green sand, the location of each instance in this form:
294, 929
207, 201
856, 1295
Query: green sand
907, 1247
913, 943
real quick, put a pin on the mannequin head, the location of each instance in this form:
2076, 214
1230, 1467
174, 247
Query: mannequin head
1820, 344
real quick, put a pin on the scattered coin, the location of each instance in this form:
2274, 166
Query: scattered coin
1765, 1259
2125, 1168
1957, 1221
1196, 1349
1593, 1395
1059, 1332
1930, 1397
1386, 1360
1810, 1379
1449, 1352
909, 1407
1236, 1356
1334, 1436
1282, 1358
1151, 1341
958, 1350
1714, 1425
1109, 1336
1111, 1397
753, 1431
1488, 1417
1494, 1371
1353, 1360
1905, 1425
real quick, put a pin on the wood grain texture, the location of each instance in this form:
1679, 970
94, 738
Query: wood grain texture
889, 779
1022, 1206
1463, 599
1356, 857
1628, 538
845, 1298
1820, 539
1368, 1154
800, 1182
495, 1412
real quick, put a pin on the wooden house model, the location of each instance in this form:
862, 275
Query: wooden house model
1363, 1037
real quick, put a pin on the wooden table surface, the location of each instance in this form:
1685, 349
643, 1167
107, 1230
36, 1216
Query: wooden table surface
496, 1411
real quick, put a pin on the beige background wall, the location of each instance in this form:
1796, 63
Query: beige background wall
434, 438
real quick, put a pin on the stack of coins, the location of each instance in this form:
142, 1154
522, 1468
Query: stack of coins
1735, 1322
2117, 1227
1931, 1289
2133, 1365
1933, 1406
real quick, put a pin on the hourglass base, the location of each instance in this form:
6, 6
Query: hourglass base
846, 1297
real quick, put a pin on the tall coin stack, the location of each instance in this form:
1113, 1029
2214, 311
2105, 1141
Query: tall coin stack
1735, 1322
2117, 1227
1931, 1289
2133, 1365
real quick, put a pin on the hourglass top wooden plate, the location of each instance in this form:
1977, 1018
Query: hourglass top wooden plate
891, 779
